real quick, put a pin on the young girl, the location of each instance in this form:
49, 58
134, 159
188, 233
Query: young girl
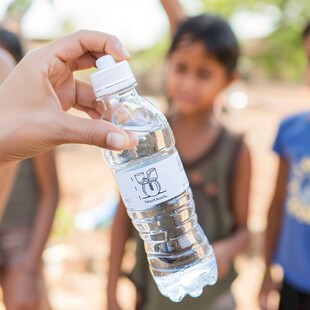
201, 63
288, 229
30, 205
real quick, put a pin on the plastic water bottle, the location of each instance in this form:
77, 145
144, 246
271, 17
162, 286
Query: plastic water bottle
154, 186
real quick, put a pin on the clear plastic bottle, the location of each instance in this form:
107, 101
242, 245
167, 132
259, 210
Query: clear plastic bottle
154, 186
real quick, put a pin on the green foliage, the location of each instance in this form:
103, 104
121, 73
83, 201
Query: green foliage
63, 224
18, 8
283, 56
280, 55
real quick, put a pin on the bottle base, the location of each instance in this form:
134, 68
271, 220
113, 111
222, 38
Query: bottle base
190, 281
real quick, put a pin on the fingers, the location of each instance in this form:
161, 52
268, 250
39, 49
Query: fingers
86, 100
263, 300
73, 47
94, 132
84, 94
91, 112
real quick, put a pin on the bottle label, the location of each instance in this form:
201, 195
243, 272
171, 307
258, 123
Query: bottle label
153, 184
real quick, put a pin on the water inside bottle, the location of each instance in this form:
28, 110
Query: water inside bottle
151, 141
180, 257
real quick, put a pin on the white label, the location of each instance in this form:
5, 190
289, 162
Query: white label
152, 184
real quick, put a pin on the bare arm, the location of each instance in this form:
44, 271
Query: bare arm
227, 249
45, 169
120, 234
7, 178
275, 212
174, 13
272, 232
7, 174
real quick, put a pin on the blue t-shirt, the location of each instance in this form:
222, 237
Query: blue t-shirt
293, 248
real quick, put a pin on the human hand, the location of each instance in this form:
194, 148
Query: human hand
223, 259
36, 95
113, 305
26, 291
112, 302
268, 285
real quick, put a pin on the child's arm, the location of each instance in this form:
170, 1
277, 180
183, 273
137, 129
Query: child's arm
46, 174
174, 13
27, 285
120, 234
227, 249
7, 178
272, 231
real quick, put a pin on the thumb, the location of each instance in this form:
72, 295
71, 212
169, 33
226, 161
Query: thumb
95, 132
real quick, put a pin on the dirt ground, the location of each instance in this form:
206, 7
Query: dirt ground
76, 261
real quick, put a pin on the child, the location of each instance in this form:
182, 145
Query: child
30, 207
201, 63
288, 229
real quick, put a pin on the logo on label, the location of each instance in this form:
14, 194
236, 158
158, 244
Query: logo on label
149, 183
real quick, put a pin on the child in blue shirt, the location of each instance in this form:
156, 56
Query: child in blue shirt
288, 229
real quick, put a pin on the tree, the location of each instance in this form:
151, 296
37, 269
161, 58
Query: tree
282, 56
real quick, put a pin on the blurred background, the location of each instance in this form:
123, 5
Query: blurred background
271, 86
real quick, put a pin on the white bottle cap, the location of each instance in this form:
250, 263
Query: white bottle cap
111, 76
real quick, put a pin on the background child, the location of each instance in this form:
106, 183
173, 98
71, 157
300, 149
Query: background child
288, 230
201, 63
30, 207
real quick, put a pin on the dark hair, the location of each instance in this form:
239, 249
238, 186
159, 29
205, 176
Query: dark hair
306, 31
11, 43
215, 33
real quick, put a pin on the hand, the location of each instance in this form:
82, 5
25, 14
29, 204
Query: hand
26, 292
268, 285
35, 96
223, 259
112, 302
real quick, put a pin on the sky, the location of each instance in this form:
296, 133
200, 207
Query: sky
138, 23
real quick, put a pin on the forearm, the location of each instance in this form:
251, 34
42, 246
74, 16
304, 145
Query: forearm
120, 234
275, 213
7, 177
271, 235
174, 13
236, 243
41, 230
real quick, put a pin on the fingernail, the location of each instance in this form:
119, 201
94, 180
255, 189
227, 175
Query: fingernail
116, 140
125, 52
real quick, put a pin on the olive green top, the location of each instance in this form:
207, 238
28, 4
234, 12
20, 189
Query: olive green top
210, 179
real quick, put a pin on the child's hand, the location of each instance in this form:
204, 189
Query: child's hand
25, 294
268, 285
112, 303
223, 259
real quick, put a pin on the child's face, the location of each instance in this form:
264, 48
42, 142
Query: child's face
307, 49
195, 78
